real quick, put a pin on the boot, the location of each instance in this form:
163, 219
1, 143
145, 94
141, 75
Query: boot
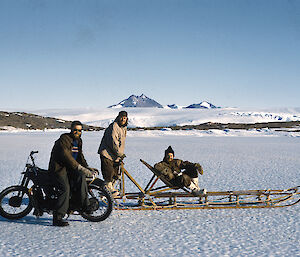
199, 192
115, 181
58, 221
194, 184
195, 188
115, 193
93, 206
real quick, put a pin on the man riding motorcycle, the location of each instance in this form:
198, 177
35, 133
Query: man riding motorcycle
69, 170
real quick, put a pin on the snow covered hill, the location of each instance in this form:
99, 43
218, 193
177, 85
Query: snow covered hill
160, 117
202, 105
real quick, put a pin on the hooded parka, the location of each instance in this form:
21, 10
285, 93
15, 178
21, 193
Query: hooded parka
112, 148
112, 145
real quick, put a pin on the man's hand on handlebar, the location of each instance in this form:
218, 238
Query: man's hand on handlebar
94, 171
89, 172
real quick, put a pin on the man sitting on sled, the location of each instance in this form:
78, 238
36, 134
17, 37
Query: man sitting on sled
180, 173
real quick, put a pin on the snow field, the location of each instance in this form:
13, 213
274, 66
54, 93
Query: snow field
151, 117
229, 163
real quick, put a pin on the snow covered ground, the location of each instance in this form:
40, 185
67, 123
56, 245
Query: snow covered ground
229, 163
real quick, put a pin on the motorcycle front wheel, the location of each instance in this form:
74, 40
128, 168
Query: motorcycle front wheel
102, 203
15, 202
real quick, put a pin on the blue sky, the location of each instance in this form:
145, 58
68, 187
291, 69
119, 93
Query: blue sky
69, 54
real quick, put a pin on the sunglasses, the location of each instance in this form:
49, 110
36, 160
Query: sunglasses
77, 130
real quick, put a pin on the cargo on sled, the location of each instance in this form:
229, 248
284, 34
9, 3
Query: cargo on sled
155, 197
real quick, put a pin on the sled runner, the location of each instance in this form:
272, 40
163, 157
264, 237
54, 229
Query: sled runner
154, 197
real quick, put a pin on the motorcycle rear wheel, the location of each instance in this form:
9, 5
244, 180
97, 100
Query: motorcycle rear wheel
102, 200
15, 202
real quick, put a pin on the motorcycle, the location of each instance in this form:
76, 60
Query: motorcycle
36, 191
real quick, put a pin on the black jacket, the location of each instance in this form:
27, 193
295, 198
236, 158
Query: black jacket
61, 156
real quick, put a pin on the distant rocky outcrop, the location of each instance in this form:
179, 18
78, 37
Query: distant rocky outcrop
29, 121
137, 101
173, 106
289, 126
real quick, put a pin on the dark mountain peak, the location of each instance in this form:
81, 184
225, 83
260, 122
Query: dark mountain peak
173, 106
137, 101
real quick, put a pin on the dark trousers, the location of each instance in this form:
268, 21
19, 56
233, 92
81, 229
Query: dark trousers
79, 190
185, 179
71, 184
109, 169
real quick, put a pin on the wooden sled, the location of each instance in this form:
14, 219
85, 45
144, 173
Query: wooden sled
170, 197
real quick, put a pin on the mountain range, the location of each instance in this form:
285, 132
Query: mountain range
144, 101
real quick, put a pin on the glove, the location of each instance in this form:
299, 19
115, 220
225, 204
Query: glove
86, 171
94, 171
122, 156
198, 167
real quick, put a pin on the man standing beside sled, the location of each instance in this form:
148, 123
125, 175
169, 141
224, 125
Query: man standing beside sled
111, 150
180, 173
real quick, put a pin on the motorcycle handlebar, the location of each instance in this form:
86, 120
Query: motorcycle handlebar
33, 152
31, 156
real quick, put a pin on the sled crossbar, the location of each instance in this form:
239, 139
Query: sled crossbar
172, 197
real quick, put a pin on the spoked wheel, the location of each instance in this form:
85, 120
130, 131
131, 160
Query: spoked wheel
102, 202
15, 202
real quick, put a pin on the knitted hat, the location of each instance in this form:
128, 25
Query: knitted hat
122, 114
169, 150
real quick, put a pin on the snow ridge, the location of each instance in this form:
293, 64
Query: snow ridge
203, 105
